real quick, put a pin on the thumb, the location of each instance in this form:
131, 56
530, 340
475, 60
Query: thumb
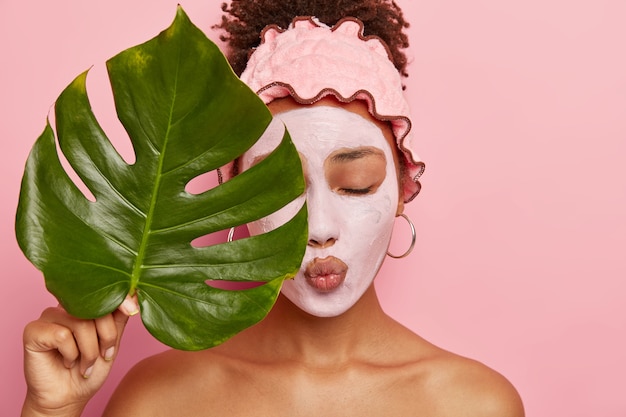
130, 306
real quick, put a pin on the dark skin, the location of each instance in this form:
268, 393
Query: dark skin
360, 363
344, 366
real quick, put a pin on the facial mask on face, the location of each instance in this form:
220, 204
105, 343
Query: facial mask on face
352, 198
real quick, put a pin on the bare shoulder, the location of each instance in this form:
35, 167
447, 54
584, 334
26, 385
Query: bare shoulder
436, 382
465, 387
159, 385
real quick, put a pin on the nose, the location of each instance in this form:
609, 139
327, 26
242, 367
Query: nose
321, 243
323, 223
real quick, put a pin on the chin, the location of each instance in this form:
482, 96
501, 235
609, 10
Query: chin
320, 304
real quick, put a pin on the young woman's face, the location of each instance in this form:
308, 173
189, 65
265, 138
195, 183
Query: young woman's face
352, 198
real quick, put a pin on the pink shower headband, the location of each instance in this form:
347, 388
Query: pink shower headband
310, 60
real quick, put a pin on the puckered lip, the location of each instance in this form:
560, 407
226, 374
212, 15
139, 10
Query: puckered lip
325, 274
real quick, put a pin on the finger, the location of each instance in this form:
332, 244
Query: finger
111, 327
86, 336
120, 318
129, 306
43, 337
107, 330
82, 331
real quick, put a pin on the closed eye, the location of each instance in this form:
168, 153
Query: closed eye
355, 171
355, 191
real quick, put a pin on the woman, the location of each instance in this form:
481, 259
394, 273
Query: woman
327, 347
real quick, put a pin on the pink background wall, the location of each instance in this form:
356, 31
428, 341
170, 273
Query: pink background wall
520, 113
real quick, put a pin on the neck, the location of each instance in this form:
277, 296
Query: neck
292, 334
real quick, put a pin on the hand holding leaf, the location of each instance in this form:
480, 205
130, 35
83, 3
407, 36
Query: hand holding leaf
186, 113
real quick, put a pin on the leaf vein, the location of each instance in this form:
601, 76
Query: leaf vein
180, 294
118, 193
155, 189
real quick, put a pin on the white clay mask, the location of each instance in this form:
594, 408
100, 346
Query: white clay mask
352, 198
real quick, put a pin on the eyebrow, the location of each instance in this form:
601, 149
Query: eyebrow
353, 154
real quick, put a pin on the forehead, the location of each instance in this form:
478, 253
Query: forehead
318, 130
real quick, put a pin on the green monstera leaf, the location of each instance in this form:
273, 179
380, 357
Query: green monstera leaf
186, 114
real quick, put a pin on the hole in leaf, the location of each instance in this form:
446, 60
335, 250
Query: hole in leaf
70, 171
202, 183
233, 285
211, 239
103, 106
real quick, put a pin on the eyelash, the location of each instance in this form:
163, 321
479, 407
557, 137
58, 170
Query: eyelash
358, 191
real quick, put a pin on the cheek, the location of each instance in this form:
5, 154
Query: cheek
377, 218
369, 221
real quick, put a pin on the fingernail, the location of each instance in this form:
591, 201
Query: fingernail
88, 372
108, 354
130, 307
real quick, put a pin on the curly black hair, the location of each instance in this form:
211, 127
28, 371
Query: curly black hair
244, 20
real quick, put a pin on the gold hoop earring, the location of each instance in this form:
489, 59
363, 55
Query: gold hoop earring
412, 239
231, 232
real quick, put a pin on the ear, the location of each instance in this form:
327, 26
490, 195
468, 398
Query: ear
400, 208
